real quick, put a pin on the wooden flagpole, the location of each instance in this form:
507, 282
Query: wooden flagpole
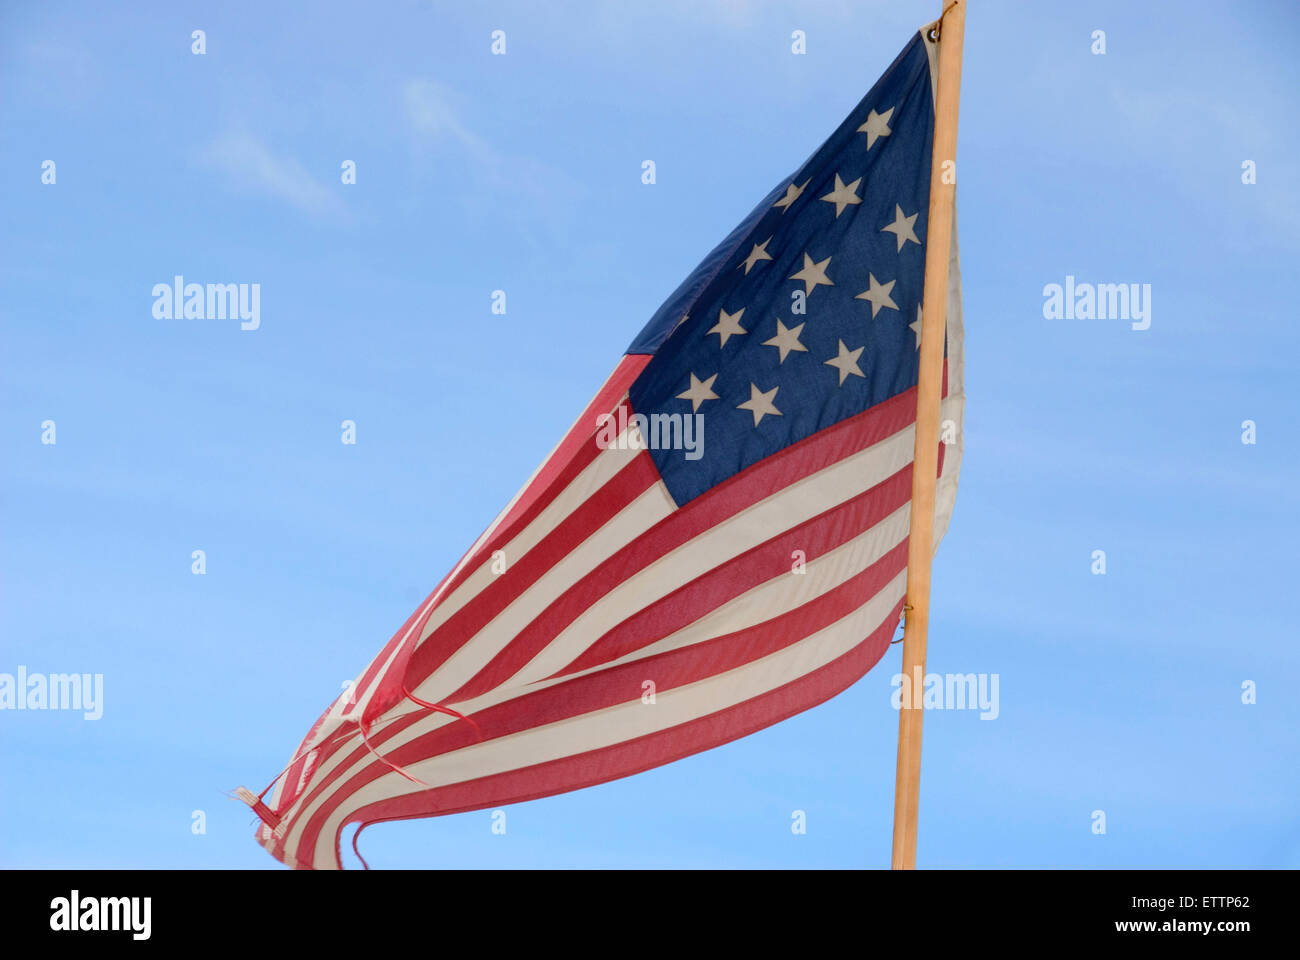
925, 462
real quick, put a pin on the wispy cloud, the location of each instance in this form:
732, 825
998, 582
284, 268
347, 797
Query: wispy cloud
1174, 123
61, 72
429, 108
250, 164
436, 124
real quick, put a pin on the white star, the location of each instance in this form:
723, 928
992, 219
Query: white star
878, 295
727, 325
700, 391
847, 362
791, 195
786, 340
902, 227
916, 327
760, 403
758, 253
812, 274
877, 125
842, 196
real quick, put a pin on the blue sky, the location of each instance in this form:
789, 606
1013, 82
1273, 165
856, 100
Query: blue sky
522, 172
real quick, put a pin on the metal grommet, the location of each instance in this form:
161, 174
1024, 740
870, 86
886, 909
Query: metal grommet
933, 34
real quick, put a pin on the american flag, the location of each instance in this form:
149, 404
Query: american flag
632, 606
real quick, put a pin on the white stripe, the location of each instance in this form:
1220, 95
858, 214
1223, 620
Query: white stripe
954, 405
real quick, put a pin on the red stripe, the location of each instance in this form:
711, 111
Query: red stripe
371, 673
613, 686
292, 774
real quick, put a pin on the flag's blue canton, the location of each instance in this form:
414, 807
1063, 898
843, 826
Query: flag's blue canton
860, 200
